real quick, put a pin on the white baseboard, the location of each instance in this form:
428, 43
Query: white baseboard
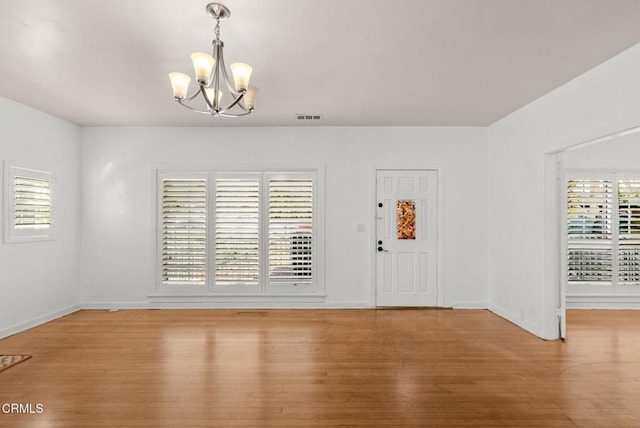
517, 320
116, 305
225, 305
34, 322
469, 305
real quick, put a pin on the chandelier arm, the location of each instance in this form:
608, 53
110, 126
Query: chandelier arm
222, 113
223, 66
206, 99
190, 97
235, 102
211, 113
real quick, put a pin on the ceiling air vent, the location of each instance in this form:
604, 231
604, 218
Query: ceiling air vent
308, 116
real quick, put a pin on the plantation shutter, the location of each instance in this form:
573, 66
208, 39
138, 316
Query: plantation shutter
589, 228
237, 230
629, 232
184, 231
290, 230
32, 202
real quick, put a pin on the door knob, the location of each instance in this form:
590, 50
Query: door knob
382, 249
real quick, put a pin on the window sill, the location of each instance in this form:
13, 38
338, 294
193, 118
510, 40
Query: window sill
237, 298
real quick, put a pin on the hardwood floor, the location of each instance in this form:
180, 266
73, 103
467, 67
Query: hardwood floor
299, 368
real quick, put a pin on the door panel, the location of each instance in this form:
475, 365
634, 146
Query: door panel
406, 237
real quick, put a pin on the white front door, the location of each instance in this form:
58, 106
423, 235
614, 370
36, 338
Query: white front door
406, 237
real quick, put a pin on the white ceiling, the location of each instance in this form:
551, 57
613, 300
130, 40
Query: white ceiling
355, 62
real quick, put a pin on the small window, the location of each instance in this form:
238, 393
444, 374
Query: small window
28, 204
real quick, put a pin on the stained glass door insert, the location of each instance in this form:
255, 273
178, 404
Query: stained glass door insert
406, 220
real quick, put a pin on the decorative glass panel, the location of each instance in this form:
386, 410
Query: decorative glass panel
406, 220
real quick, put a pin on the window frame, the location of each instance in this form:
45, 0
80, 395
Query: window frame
264, 292
12, 234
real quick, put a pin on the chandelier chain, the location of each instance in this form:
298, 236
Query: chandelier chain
217, 29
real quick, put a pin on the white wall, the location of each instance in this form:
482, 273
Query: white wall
522, 282
117, 231
39, 281
620, 153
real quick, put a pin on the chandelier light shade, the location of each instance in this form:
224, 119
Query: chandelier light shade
212, 79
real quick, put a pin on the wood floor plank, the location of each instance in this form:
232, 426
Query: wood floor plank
326, 368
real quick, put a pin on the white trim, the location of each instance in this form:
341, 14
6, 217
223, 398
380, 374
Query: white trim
521, 322
238, 298
236, 167
39, 320
224, 305
605, 305
552, 303
603, 301
439, 169
470, 305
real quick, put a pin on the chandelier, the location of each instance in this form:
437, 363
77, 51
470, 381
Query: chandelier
211, 75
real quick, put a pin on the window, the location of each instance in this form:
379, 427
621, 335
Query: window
629, 231
28, 204
184, 230
238, 232
261, 226
589, 228
291, 230
603, 231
